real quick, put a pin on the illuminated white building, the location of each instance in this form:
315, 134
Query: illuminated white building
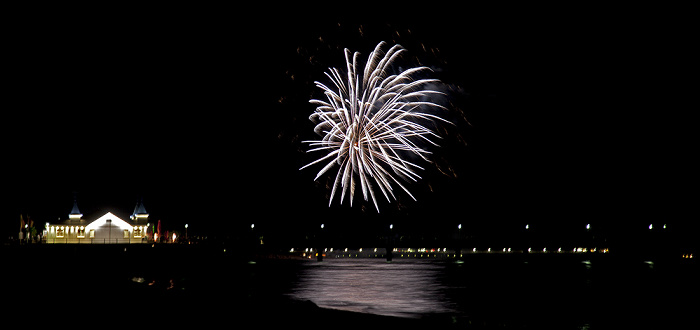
105, 229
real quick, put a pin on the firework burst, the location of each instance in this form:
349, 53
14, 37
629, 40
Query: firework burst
372, 124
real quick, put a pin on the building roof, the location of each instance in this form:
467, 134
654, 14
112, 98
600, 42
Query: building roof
116, 221
93, 216
139, 209
75, 210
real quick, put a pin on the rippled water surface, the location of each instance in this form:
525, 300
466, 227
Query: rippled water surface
566, 292
510, 291
373, 286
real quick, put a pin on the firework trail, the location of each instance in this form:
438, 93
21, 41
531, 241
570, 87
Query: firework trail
371, 122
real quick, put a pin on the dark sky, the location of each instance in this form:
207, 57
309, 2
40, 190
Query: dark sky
570, 116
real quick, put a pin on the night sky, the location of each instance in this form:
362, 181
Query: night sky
561, 118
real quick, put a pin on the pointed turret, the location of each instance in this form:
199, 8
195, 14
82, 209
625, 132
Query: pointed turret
139, 212
75, 212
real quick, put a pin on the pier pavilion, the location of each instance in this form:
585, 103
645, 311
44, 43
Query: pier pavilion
106, 228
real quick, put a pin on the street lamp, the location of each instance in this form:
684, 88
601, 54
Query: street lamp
186, 225
390, 243
320, 241
588, 226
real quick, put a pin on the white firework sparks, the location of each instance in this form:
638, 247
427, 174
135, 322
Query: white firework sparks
371, 122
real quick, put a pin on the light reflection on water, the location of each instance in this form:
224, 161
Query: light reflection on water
404, 289
567, 292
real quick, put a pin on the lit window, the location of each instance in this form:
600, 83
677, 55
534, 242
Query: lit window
126, 233
59, 232
81, 232
92, 233
137, 232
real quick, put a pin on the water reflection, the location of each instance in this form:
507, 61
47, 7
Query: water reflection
404, 289
536, 292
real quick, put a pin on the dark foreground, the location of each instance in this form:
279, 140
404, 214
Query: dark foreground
157, 286
200, 286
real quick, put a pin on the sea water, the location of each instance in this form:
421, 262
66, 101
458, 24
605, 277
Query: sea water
488, 291
400, 288
565, 292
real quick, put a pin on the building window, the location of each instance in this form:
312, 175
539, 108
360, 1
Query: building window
126, 233
92, 233
137, 232
81, 232
59, 232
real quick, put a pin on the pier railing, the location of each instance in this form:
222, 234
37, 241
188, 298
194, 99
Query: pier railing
96, 241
